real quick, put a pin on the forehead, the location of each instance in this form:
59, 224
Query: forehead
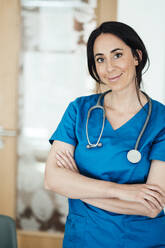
108, 42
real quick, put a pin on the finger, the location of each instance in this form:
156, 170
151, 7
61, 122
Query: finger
59, 164
65, 161
62, 161
151, 208
70, 157
156, 188
70, 160
153, 200
157, 196
148, 205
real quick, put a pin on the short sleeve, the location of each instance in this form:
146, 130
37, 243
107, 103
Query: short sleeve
158, 147
66, 129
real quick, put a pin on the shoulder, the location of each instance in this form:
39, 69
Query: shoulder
158, 115
158, 109
158, 105
84, 102
81, 105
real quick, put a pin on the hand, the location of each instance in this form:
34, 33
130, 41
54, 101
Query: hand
66, 160
151, 196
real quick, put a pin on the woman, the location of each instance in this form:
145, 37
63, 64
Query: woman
115, 199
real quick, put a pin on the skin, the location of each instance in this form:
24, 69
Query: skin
114, 58
61, 173
137, 199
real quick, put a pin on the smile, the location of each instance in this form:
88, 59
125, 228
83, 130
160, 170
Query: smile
114, 78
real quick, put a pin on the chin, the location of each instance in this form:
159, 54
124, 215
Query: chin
118, 88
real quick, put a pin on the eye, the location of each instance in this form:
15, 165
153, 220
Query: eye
99, 60
117, 55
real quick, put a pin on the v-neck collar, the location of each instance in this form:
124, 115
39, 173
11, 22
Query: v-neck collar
107, 123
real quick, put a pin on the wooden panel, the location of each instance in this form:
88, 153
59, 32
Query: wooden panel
106, 11
9, 50
29, 239
8, 177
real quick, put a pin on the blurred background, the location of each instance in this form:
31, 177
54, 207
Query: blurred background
43, 67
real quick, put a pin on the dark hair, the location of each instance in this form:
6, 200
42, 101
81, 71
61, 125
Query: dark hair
127, 35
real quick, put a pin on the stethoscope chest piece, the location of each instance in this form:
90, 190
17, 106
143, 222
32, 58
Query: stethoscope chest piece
134, 156
94, 145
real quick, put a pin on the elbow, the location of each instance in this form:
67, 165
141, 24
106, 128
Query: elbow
50, 186
47, 186
49, 183
55, 187
58, 189
50, 180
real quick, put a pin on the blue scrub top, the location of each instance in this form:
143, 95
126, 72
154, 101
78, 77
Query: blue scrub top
88, 226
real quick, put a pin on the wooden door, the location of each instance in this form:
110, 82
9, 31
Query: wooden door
9, 54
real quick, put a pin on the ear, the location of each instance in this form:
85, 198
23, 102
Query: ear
140, 56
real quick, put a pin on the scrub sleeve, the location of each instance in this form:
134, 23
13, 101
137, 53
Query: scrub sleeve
66, 129
158, 147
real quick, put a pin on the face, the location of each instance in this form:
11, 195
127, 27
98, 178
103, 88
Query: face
115, 63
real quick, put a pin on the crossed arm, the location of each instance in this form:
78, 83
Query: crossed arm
63, 177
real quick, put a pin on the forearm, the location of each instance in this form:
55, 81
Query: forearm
64, 178
119, 206
76, 186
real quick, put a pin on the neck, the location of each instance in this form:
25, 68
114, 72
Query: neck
124, 100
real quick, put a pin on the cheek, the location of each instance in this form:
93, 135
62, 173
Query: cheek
125, 65
100, 70
128, 67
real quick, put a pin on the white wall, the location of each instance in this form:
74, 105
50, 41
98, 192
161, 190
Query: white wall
148, 18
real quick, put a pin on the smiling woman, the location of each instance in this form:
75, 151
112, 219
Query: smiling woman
116, 67
114, 63
113, 202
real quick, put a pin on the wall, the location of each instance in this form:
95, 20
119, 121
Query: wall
147, 18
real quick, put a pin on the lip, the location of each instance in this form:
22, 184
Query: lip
115, 78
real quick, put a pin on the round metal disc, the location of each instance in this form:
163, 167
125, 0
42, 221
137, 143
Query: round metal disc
134, 156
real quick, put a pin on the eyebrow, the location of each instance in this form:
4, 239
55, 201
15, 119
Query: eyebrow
114, 50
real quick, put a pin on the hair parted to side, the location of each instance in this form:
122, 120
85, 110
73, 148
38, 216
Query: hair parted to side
127, 35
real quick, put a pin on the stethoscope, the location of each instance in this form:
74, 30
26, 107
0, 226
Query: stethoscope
133, 156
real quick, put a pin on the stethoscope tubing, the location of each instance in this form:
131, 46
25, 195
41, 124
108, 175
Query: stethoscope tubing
146, 121
98, 143
90, 145
98, 105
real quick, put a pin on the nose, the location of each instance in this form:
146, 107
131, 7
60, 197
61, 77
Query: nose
109, 66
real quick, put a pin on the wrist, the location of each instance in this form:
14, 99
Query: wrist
115, 190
